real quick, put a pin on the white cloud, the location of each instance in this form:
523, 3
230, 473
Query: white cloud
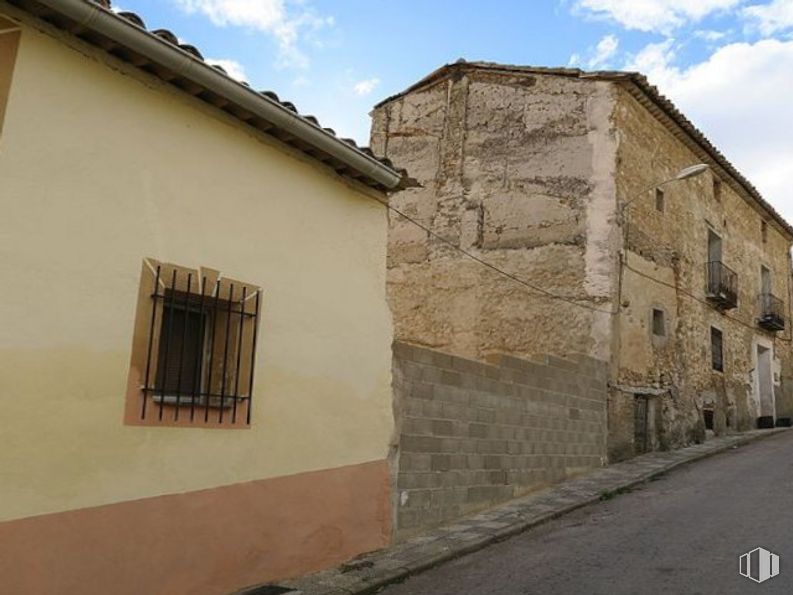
366, 86
771, 18
655, 61
233, 68
604, 51
270, 16
738, 98
653, 15
599, 55
710, 35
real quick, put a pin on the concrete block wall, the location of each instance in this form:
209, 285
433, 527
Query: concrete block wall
474, 434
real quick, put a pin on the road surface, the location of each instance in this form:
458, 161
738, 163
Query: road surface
680, 534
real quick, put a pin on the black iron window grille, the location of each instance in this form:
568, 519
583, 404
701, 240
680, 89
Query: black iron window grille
201, 349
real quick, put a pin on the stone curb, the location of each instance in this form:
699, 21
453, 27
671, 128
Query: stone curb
372, 572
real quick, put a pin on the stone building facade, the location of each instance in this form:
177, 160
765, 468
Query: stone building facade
531, 171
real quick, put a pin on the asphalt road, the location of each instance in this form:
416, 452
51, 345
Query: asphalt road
680, 534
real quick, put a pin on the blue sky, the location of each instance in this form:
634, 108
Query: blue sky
728, 64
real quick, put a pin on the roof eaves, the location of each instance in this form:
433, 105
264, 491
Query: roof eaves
183, 66
618, 76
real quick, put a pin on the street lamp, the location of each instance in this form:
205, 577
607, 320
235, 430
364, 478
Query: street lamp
684, 174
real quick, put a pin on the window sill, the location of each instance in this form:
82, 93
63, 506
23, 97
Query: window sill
187, 401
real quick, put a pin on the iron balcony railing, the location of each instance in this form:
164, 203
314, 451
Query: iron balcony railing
722, 285
772, 312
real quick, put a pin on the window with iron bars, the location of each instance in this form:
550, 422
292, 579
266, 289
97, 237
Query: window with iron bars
200, 348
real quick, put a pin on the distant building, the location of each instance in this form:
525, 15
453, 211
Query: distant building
685, 291
195, 346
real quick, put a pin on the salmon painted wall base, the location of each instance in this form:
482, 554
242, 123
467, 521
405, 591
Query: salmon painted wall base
206, 542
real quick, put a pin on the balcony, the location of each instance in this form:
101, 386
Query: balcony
722, 286
772, 313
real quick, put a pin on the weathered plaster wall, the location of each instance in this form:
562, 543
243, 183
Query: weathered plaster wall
670, 248
517, 170
103, 166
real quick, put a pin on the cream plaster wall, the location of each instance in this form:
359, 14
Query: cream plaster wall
102, 166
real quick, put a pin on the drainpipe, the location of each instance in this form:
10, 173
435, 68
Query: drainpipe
105, 22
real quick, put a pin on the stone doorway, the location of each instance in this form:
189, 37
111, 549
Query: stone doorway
765, 387
646, 423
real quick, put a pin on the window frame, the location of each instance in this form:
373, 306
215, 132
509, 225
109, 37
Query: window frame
222, 392
659, 314
716, 359
660, 200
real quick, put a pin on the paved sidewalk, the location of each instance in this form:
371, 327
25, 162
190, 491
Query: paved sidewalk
371, 572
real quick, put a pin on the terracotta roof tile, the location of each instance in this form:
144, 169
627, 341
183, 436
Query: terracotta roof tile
170, 38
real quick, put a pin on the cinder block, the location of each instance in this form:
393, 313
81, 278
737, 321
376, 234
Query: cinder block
489, 493
468, 445
431, 374
492, 446
493, 462
477, 430
563, 364
451, 394
497, 477
485, 415
417, 426
413, 407
442, 360
412, 443
443, 427
422, 355
407, 518
450, 479
422, 390
410, 370
418, 498
450, 445
476, 461
402, 351
432, 409
457, 411
459, 462
414, 462
451, 378
441, 463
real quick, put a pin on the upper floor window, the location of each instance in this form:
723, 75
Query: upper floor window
717, 349
764, 231
659, 323
717, 189
714, 246
660, 200
765, 280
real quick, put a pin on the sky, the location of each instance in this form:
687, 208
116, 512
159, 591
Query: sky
727, 64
